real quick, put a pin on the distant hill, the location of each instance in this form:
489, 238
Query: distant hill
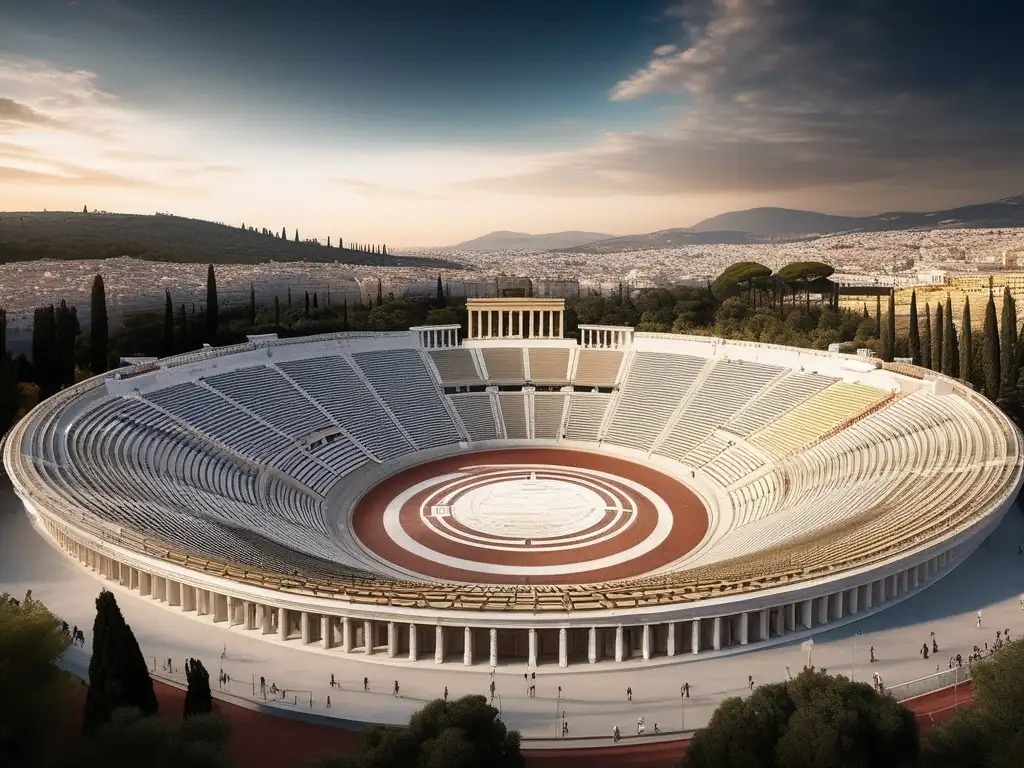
665, 238
1008, 212
509, 241
780, 225
777, 221
65, 235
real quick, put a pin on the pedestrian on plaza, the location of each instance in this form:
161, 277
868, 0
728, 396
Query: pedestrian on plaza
872, 654
263, 686
656, 728
616, 735
366, 684
492, 690
328, 702
750, 681
446, 692
565, 729
686, 690
640, 727
333, 684
629, 694
979, 619
533, 691
396, 688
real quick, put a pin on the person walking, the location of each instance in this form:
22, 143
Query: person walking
750, 682
366, 684
332, 680
979, 619
640, 727
686, 690
616, 735
629, 694
446, 693
396, 689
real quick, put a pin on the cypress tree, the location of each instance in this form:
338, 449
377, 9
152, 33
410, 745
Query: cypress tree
914, 335
183, 337
3, 333
951, 353
252, 304
380, 293
878, 316
926, 338
296, 234
307, 306
44, 352
344, 315
284, 233
937, 339
289, 297
990, 350
948, 340
328, 295
315, 304
1008, 347
67, 330
890, 327
966, 345
198, 698
211, 305
98, 327
328, 241
887, 341
440, 292
277, 311
117, 670
168, 324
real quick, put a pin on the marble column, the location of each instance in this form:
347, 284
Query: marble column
619, 643
592, 645
412, 642
563, 647
670, 648
392, 640
346, 635
646, 648
367, 637
744, 627
467, 646
532, 658
438, 644
695, 636
716, 637
494, 648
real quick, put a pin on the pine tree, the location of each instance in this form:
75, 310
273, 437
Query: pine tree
990, 350
937, 339
212, 318
948, 340
168, 324
118, 676
98, 327
926, 338
878, 316
951, 350
1008, 347
252, 304
914, 335
966, 345
85, 209
198, 698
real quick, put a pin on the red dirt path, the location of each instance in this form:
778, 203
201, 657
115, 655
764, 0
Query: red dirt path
690, 519
267, 741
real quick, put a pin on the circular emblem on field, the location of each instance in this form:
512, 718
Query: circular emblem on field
529, 516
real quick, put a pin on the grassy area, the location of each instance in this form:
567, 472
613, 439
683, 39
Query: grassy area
76, 235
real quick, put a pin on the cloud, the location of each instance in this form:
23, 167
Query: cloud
74, 176
12, 111
373, 189
784, 96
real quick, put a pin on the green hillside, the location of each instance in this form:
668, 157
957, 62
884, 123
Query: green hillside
66, 235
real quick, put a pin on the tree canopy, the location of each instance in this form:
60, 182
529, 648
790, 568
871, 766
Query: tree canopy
464, 733
811, 721
33, 690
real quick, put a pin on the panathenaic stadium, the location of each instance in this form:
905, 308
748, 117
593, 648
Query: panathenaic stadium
517, 497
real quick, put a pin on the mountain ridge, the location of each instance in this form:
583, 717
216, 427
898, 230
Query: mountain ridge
507, 240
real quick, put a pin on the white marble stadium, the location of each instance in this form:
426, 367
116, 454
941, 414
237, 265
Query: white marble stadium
233, 485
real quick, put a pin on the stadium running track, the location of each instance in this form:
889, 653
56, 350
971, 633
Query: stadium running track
267, 741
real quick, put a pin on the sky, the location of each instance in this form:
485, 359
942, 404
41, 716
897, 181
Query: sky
419, 123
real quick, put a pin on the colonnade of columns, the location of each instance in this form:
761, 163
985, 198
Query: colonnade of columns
516, 324
605, 336
565, 646
437, 336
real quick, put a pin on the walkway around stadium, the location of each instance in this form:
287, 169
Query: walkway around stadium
991, 580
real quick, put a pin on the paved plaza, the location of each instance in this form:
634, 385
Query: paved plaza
593, 698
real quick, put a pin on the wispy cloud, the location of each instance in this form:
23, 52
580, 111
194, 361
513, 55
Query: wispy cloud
374, 189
